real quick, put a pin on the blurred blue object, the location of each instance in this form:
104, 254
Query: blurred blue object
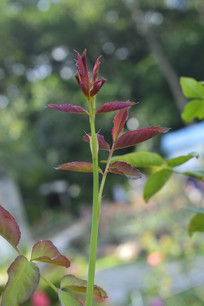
184, 141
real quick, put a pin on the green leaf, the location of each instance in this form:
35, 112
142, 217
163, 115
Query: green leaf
194, 209
194, 109
67, 299
155, 182
140, 159
197, 173
192, 88
9, 228
23, 279
181, 159
77, 285
196, 224
45, 251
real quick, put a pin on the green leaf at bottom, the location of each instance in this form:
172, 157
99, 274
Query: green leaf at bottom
23, 278
155, 182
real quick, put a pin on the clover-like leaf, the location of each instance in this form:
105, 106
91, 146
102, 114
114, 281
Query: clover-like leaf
155, 182
78, 167
103, 145
126, 169
132, 138
68, 108
140, 159
23, 279
177, 161
196, 224
78, 285
192, 88
194, 109
113, 106
45, 251
119, 122
9, 229
67, 299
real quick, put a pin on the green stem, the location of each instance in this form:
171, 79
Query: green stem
49, 283
95, 215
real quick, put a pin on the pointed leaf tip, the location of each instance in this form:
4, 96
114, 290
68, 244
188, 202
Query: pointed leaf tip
119, 122
78, 167
45, 251
68, 108
113, 106
9, 228
132, 138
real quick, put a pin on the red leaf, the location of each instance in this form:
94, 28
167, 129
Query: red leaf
9, 229
96, 68
78, 166
68, 108
103, 145
119, 122
96, 87
126, 169
45, 251
113, 106
132, 138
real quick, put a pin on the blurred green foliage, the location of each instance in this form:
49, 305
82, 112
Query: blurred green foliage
37, 67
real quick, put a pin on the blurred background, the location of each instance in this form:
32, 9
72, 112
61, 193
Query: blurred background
145, 256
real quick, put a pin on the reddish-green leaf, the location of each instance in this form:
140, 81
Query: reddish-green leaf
67, 299
103, 145
113, 106
45, 251
135, 137
126, 169
23, 279
78, 166
9, 228
68, 108
78, 285
119, 122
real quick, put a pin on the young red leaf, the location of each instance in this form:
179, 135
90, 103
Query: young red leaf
78, 285
78, 166
68, 108
45, 251
119, 122
113, 106
126, 169
103, 145
67, 299
9, 229
23, 279
135, 137
96, 68
96, 87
